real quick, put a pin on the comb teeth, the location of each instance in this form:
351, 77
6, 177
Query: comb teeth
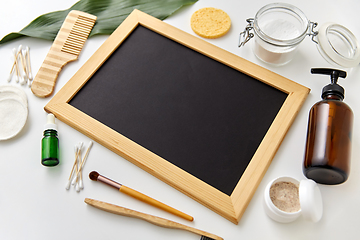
79, 32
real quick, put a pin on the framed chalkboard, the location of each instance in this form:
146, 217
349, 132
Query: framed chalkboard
197, 117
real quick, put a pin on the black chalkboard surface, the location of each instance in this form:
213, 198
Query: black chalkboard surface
202, 116
199, 118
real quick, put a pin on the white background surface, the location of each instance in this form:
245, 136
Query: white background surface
35, 205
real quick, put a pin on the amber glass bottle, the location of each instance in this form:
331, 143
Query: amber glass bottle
328, 144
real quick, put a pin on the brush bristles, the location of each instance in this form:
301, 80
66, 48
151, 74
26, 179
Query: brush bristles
79, 32
94, 176
205, 238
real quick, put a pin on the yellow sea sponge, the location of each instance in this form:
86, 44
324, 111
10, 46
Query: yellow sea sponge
210, 22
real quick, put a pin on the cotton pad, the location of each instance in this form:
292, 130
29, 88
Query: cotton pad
8, 90
13, 111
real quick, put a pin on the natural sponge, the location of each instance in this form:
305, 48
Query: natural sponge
210, 22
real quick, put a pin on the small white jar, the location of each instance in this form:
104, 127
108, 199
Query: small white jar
310, 201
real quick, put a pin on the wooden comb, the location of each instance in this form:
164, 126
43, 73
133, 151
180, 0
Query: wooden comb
65, 48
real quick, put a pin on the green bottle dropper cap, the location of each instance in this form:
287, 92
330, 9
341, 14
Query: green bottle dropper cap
50, 122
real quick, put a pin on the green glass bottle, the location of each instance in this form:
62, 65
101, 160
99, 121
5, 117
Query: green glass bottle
50, 143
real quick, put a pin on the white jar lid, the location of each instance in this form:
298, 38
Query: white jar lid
310, 200
338, 45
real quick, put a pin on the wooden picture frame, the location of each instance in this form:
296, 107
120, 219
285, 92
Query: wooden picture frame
231, 206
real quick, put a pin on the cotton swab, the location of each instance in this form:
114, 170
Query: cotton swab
27, 56
67, 187
11, 74
16, 66
81, 183
21, 57
24, 68
82, 164
21, 66
77, 187
77, 152
13, 67
76, 169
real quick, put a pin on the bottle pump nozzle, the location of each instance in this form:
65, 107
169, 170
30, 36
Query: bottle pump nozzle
332, 88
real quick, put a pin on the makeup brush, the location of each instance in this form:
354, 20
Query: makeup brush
111, 208
135, 194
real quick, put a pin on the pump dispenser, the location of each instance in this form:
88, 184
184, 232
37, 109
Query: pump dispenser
328, 143
50, 143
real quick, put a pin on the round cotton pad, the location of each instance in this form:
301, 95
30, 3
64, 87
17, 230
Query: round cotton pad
210, 22
13, 116
9, 91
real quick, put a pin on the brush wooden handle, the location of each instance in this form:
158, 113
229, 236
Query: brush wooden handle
147, 217
153, 202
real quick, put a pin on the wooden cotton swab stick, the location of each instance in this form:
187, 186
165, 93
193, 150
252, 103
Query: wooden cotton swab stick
16, 54
77, 152
17, 75
12, 68
77, 186
67, 187
20, 63
23, 63
82, 163
27, 56
81, 183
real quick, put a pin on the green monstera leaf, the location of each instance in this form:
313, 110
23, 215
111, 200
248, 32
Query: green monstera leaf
110, 13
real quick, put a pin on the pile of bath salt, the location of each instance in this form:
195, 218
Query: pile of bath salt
13, 111
280, 29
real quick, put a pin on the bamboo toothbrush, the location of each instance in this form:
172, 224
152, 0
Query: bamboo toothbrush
150, 218
135, 194
65, 48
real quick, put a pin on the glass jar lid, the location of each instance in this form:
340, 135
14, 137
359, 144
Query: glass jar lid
338, 45
281, 24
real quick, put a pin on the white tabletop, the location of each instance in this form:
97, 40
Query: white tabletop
35, 205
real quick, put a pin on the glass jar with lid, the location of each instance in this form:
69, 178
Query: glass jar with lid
278, 29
